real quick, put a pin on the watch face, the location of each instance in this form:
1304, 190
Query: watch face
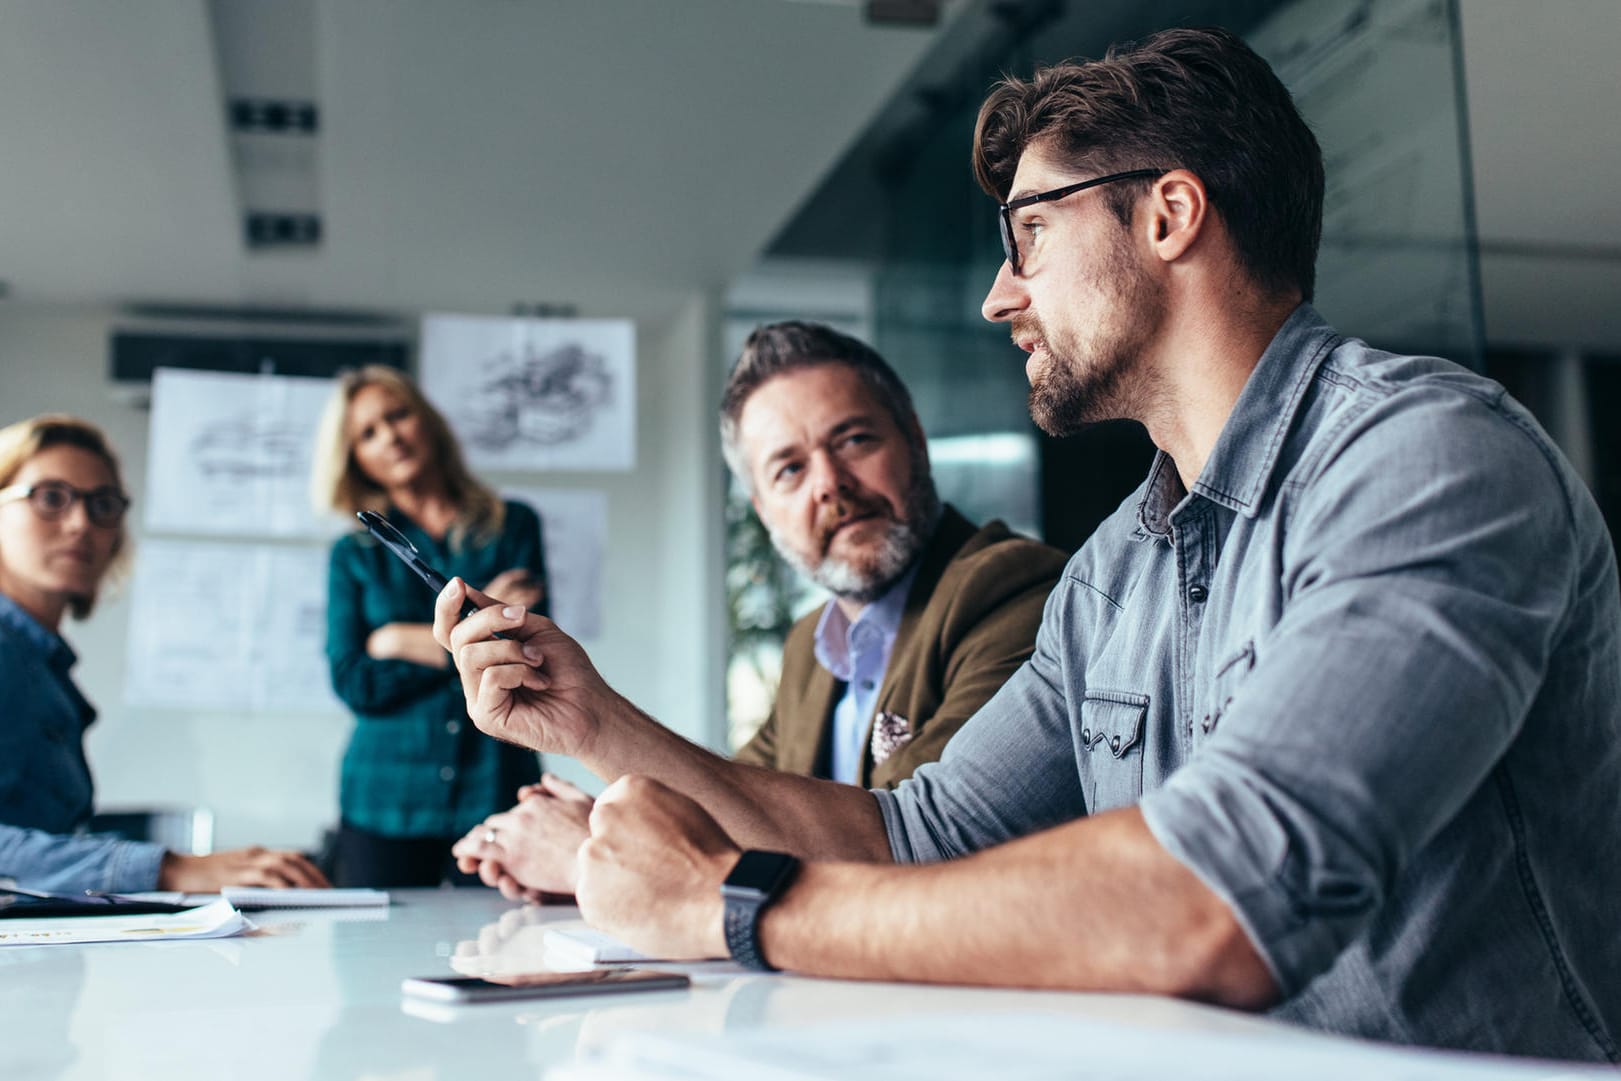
760, 872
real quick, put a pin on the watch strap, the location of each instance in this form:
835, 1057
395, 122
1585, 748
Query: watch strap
745, 900
743, 933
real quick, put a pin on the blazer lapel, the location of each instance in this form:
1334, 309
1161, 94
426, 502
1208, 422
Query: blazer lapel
949, 536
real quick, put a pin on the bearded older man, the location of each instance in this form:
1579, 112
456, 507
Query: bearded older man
929, 615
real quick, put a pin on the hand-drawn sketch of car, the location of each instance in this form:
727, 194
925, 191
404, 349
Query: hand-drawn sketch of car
243, 448
545, 398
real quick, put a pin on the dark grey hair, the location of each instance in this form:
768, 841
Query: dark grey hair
776, 348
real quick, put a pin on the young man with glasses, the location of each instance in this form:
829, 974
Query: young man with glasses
1325, 720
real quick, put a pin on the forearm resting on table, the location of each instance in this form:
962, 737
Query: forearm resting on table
407, 642
757, 807
1093, 905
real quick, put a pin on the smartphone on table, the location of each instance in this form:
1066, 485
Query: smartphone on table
411, 556
600, 981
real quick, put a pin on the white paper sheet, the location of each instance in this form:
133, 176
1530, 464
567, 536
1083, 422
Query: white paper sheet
574, 530
230, 454
228, 626
217, 920
525, 394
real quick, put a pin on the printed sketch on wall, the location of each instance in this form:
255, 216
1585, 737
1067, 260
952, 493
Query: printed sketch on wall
574, 529
262, 645
527, 394
230, 454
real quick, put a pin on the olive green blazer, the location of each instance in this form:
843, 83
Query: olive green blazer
970, 621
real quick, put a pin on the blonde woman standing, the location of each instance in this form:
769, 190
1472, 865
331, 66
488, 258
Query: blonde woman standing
62, 534
417, 774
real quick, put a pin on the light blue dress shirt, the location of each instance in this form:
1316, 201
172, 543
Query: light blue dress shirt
857, 653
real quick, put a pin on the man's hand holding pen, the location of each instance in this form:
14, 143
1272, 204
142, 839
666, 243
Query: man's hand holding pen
534, 686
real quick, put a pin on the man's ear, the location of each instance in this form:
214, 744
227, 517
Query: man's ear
1178, 213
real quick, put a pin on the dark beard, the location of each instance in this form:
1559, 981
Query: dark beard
1064, 401
1070, 393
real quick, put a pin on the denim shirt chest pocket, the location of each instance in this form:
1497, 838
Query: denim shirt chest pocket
1229, 673
1110, 748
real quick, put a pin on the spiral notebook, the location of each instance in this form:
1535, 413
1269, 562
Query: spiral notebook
249, 898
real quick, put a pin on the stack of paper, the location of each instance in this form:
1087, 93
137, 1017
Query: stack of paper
218, 920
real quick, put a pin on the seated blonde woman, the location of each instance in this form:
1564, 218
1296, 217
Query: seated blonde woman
62, 508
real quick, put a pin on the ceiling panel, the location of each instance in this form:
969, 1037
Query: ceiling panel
612, 154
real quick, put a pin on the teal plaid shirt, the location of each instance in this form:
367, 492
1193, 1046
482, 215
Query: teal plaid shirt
416, 766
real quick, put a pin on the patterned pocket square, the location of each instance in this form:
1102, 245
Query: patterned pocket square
890, 732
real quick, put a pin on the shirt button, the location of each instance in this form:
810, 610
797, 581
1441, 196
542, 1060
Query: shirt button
447, 773
1086, 735
1198, 594
453, 726
866, 684
1114, 744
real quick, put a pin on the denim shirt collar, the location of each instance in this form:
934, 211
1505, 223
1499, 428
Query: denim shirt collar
1241, 464
52, 647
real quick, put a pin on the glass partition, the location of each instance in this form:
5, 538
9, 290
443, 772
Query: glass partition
1378, 80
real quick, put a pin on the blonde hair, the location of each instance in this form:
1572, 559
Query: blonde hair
20, 442
338, 483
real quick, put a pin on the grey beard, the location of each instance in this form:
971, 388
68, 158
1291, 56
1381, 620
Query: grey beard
897, 549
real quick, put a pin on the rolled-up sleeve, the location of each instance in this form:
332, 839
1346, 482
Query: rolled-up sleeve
1420, 606
996, 778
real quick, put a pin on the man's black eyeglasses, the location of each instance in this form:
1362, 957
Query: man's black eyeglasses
1010, 246
52, 499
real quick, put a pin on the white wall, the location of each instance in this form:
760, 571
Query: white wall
272, 778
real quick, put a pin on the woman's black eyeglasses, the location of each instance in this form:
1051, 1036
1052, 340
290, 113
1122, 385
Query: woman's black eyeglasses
1010, 246
52, 499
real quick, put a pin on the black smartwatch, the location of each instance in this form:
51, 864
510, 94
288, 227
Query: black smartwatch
757, 879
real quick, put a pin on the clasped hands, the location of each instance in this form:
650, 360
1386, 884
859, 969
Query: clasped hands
648, 862
528, 852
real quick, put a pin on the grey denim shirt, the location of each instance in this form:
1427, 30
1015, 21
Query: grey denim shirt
1365, 681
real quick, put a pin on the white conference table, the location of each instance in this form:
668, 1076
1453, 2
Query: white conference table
316, 994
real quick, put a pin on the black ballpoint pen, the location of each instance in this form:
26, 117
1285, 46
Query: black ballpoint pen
396, 542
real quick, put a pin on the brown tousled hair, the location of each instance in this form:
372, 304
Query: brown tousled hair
1196, 99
